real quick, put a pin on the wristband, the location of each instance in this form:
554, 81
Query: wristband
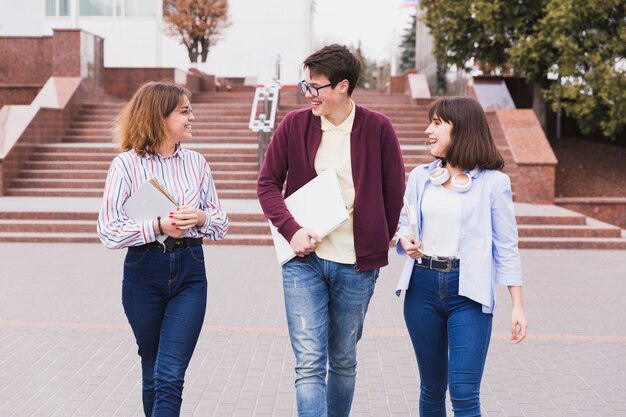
159, 224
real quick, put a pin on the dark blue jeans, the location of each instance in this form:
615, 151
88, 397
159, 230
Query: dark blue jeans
164, 298
450, 335
326, 304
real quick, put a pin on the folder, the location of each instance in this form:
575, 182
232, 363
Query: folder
318, 205
148, 202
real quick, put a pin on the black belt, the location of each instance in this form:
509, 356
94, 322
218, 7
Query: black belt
170, 243
438, 264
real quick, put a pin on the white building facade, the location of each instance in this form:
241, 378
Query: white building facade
134, 34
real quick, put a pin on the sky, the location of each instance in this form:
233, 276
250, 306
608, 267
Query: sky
378, 24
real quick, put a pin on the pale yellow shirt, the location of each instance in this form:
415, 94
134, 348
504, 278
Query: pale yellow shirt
334, 152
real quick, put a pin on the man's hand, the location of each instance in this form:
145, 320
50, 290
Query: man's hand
304, 241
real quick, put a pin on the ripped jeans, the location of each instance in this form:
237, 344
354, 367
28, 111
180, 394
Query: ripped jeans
326, 304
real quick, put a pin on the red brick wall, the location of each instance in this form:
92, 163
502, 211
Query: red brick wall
123, 82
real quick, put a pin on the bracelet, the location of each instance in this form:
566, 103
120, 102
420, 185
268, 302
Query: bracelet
159, 224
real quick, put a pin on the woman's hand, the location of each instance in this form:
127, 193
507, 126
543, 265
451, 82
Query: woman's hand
411, 246
519, 324
182, 219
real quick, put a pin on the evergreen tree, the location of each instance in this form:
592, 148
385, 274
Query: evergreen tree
407, 57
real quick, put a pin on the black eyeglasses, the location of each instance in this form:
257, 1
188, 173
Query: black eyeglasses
314, 91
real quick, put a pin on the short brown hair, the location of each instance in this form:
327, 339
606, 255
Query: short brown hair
472, 144
141, 123
336, 63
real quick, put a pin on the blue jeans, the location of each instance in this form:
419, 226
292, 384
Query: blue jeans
164, 298
450, 335
326, 304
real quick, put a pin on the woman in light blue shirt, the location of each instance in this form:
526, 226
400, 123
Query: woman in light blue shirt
459, 235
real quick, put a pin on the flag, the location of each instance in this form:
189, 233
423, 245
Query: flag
409, 3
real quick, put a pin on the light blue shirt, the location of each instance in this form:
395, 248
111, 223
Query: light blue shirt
488, 249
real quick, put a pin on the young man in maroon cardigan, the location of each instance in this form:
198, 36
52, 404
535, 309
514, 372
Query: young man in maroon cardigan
328, 286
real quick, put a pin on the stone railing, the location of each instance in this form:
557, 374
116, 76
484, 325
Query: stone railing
22, 127
68, 65
532, 153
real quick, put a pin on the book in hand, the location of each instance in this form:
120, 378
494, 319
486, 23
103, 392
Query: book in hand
148, 202
318, 205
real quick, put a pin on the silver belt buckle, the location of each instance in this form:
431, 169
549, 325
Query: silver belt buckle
448, 262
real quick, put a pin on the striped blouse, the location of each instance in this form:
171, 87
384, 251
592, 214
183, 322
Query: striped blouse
186, 176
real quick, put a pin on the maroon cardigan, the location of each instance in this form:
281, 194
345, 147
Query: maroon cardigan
377, 173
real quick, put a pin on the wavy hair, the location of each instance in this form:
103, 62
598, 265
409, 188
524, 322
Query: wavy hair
140, 126
472, 144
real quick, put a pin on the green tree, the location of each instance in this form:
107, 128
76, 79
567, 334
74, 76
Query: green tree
581, 43
480, 30
407, 57
198, 23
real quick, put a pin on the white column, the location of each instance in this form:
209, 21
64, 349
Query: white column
309, 6
158, 20
74, 13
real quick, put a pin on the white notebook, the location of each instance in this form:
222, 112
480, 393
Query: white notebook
148, 202
318, 205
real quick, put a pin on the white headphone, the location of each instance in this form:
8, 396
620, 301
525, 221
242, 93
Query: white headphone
460, 182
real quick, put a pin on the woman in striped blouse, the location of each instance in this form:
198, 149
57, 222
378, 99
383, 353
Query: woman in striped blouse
164, 287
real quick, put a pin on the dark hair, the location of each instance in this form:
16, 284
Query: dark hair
336, 63
472, 144
141, 123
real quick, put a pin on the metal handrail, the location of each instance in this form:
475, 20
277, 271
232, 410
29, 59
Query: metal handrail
263, 122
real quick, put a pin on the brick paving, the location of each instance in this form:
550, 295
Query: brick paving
66, 349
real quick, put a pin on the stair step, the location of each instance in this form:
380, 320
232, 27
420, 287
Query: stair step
23, 237
89, 226
103, 157
91, 192
82, 165
567, 231
112, 149
234, 217
48, 226
49, 215
571, 243
33, 237
196, 140
73, 183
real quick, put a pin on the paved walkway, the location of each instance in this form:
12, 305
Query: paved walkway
66, 349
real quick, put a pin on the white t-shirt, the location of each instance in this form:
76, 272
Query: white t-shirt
441, 221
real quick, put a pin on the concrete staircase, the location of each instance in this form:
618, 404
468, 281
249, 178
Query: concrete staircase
77, 165
57, 193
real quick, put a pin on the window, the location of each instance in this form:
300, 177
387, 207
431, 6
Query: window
139, 7
96, 7
51, 8
63, 7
